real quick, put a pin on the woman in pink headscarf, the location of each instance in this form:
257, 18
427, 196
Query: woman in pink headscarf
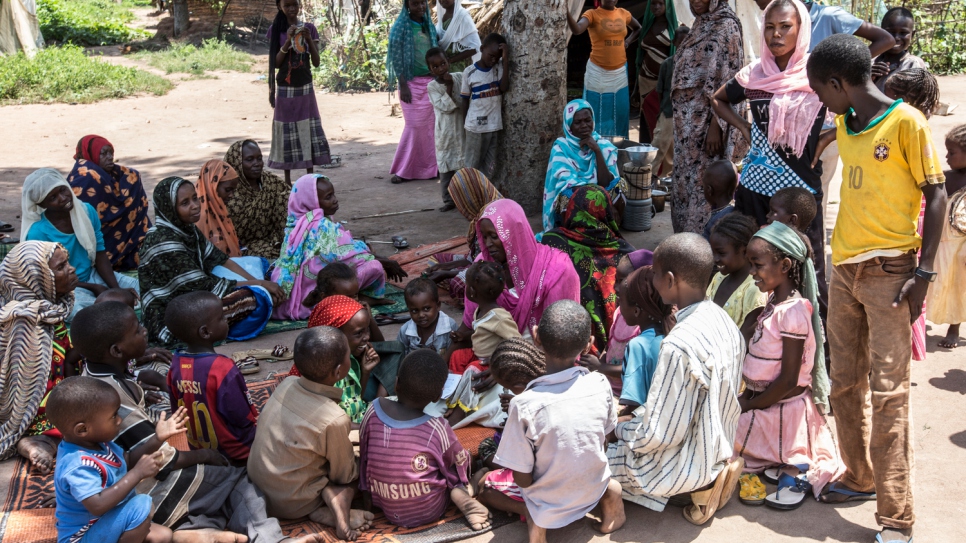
787, 119
313, 241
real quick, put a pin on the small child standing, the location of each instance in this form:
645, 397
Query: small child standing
555, 435
784, 371
718, 185
484, 84
899, 22
95, 494
209, 385
945, 302
412, 464
732, 287
339, 278
444, 94
429, 327
794, 207
302, 458
664, 130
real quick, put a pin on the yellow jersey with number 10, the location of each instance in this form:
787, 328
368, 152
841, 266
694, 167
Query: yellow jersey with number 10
884, 169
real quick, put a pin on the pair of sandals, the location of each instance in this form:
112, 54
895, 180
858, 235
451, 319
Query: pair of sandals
791, 493
247, 362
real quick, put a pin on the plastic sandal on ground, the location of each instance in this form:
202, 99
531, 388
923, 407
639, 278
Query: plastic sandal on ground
248, 366
770, 475
791, 493
878, 539
752, 491
705, 502
731, 482
851, 495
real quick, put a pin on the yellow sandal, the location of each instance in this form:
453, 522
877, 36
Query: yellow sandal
752, 489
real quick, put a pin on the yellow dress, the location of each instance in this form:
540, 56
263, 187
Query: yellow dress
946, 301
745, 299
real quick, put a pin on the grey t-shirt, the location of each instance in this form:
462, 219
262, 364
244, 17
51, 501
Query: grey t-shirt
830, 20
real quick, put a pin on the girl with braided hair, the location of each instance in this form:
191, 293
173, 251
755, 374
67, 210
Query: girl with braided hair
917, 87
733, 288
784, 374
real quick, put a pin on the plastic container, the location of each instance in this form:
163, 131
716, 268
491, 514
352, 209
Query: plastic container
637, 215
660, 197
638, 181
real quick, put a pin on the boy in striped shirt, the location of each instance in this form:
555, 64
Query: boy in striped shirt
411, 463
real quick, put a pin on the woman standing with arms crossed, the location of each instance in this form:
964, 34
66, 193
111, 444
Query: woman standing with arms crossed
605, 82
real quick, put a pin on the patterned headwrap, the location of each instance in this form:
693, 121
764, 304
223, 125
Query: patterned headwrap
788, 241
641, 292
215, 223
90, 147
334, 311
29, 314
471, 191
401, 56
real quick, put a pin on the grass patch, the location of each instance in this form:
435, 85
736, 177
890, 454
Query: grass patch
86, 22
210, 56
66, 74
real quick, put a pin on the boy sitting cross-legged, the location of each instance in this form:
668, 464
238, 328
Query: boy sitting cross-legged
302, 457
555, 434
220, 411
412, 464
96, 501
197, 491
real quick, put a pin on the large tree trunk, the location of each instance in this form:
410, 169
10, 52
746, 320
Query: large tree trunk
179, 10
533, 108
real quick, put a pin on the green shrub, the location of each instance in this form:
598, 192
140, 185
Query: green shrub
86, 22
66, 74
355, 60
210, 56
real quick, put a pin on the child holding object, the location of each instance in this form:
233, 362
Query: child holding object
784, 372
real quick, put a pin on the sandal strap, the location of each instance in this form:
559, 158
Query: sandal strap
800, 483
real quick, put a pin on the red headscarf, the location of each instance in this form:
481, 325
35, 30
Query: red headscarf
333, 311
89, 148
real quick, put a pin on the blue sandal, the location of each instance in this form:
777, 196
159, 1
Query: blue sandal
851, 495
791, 493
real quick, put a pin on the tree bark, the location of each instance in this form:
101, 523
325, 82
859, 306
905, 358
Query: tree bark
533, 108
179, 10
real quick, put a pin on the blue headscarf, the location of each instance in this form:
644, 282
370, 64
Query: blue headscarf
570, 167
401, 56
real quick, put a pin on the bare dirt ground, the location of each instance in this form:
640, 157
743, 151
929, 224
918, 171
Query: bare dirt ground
197, 121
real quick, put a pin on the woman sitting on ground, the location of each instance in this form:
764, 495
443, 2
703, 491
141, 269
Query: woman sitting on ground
116, 192
177, 259
36, 293
580, 157
471, 191
216, 187
313, 240
52, 213
259, 206
590, 235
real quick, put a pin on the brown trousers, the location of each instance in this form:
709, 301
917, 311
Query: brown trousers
871, 348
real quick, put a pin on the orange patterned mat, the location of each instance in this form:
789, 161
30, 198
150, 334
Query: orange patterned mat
23, 521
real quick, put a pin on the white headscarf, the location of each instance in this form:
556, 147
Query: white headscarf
36, 187
461, 33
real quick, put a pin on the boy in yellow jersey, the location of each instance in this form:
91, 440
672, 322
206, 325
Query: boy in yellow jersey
877, 287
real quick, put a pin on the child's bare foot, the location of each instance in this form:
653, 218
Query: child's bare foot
535, 533
611, 509
358, 519
339, 500
207, 536
951, 341
39, 451
477, 515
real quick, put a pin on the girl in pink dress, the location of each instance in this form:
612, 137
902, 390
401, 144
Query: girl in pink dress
781, 424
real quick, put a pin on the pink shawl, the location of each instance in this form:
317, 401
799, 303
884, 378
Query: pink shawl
795, 105
541, 275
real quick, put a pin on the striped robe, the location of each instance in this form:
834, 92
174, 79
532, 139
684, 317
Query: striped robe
683, 436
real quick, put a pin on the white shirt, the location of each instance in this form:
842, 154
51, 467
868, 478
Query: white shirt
449, 123
482, 88
682, 437
438, 341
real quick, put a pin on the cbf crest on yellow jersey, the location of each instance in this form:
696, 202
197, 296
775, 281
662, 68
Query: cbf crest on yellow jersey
885, 167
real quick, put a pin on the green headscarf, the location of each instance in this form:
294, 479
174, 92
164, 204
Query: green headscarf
788, 241
648, 21
401, 55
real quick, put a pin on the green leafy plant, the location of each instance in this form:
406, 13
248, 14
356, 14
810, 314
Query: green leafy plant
86, 22
66, 74
940, 34
356, 60
211, 55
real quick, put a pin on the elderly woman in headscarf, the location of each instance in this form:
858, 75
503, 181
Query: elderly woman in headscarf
176, 258
656, 43
471, 191
580, 157
313, 240
411, 36
259, 207
117, 194
216, 187
590, 235
51, 212
709, 56
36, 296
457, 32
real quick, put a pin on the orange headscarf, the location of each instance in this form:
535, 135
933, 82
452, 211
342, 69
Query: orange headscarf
215, 223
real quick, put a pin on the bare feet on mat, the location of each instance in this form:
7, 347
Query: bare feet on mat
39, 451
951, 341
207, 536
611, 509
477, 515
339, 501
358, 519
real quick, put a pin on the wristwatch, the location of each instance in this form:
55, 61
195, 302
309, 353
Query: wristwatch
927, 275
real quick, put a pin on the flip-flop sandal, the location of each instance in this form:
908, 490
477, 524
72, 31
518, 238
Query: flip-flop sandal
384, 320
878, 539
771, 475
9, 241
279, 352
705, 502
6, 227
752, 490
851, 495
396, 180
791, 494
248, 366
731, 482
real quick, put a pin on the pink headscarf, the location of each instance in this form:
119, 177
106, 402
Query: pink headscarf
541, 274
795, 105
